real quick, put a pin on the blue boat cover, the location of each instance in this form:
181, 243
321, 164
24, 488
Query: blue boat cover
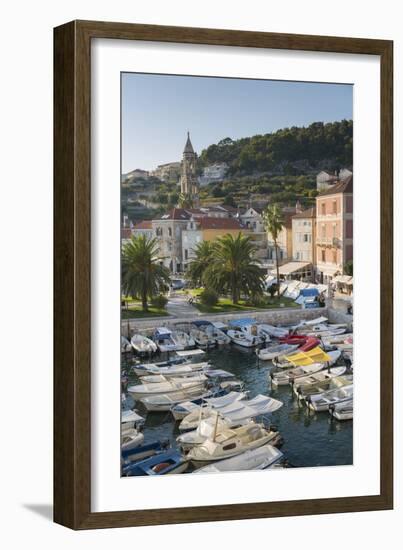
309, 292
202, 323
242, 322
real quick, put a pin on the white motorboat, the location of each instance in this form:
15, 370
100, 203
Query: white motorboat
315, 355
125, 345
257, 459
131, 438
213, 333
322, 401
244, 332
291, 375
165, 402
235, 413
272, 331
302, 392
343, 410
168, 387
182, 340
225, 443
163, 338
142, 344
182, 377
183, 409
324, 375
171, 370
131, 419
276, 350
201, 338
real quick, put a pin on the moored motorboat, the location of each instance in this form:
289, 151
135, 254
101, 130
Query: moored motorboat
256, 459
244, 332
163, 403
324, 375
342, 411
227, 442
304, 358
214, 334
143, 451
268, 331
170, 370
182, 340
181, 410
302, 392
322, 401
275, 350
235, 413
141, 391
163, 338
125, 345
166, 462
141, 344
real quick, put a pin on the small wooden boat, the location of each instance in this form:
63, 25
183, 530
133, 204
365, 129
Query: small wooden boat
125, 345
168, 387
142, 344
302, 392
235, 413
276, 350
213, 333
163, 403
168, 462
170, 370
322, 401
231, 442
257, 459
182, 340
131, 438
342, 411
143, 451
304, 358
181, 410
268, 331
324, 375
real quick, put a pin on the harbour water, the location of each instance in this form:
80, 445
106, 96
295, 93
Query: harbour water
310, 439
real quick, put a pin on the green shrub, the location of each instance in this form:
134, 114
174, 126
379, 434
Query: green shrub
159, 301
208, 297
258, 300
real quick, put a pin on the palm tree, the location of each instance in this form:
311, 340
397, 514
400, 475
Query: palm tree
142, 275
186, 201
203, 254
232, 268
273, 223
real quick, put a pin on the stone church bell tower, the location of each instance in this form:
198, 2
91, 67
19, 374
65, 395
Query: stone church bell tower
189, 182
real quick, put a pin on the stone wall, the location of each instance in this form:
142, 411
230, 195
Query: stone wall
281, 316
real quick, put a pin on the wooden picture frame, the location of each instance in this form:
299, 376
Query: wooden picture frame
72, 271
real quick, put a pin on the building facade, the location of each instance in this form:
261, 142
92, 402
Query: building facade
213, 172
334, 230
168, 172
304, 236
168, 230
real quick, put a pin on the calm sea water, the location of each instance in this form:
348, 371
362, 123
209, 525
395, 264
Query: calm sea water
310, 439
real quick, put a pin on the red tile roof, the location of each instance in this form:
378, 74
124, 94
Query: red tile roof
176, 214
344, 186
309, 213
220, 223
145, 224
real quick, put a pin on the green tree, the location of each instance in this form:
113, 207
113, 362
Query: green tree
232, 268
348, 268
186, 201
142, 275
273, 223
203, 255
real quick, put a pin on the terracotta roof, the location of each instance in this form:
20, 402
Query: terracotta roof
309, 213
176, 214
126, 233
145, 224
344, 186
220, 223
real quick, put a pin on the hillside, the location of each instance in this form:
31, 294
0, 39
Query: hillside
280, 166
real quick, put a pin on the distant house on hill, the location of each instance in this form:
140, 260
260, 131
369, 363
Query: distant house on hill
137, 173
168, 172
213, 172
325, 178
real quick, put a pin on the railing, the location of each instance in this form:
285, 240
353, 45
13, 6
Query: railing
329, 241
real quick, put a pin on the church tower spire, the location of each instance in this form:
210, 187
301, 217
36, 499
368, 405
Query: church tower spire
189, 182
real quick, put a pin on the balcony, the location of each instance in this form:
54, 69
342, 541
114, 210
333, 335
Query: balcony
333, 242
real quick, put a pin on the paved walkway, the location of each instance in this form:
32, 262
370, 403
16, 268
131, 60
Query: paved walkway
178, 306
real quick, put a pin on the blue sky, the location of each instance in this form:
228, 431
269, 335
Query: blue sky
158, 110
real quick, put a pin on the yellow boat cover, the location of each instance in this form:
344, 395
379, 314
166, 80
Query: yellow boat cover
304, 358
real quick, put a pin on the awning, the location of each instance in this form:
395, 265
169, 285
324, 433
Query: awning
343, 279
293, 267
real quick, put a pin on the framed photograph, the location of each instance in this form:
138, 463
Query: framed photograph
223, 334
